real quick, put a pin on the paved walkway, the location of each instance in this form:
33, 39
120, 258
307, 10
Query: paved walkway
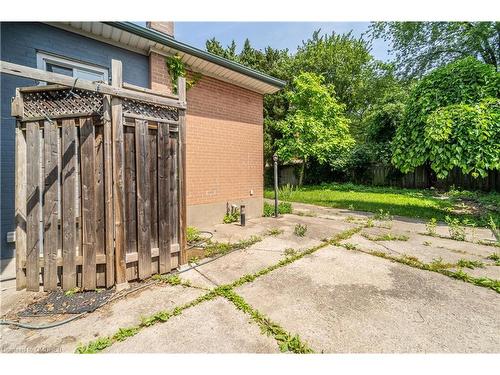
341, 297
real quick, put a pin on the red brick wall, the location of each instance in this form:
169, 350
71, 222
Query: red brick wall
224, 143
159, 78
224, 138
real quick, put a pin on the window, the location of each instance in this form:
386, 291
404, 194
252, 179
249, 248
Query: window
70, 68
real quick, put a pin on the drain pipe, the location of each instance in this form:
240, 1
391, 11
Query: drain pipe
275, 162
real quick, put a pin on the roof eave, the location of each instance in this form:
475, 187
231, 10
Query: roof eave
185, 48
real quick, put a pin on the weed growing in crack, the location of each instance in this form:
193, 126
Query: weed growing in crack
470, 263
430, 227
383, 215
300, 230
426, 243
220, 248
350, 246
286, 342
494, 256
457, 231
438, 264
386, 237
274, 232
290, 252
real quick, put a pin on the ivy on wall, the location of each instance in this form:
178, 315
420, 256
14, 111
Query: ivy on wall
177, 68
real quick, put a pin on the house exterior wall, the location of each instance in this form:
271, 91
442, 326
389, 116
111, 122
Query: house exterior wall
224, 151
19, 44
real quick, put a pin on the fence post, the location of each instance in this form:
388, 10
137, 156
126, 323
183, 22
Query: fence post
20, 207
181, 91
118, 184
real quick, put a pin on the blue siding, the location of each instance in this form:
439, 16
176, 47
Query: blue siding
19, 44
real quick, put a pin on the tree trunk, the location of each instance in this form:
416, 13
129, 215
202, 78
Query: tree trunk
302, 172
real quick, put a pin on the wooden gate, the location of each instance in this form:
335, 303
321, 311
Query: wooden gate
99, 181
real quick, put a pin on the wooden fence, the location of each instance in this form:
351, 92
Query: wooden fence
99, 181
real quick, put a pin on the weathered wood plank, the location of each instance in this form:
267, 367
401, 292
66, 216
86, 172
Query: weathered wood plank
33, 206
117, 91
68, 207
50, 205
181, 89
143, 197
129, 186
174, 184
108, 193
101, 258
153, 185
20, 207
118, 192
87, 150
164, 165
100, 225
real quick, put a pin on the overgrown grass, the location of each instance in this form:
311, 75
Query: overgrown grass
422, 204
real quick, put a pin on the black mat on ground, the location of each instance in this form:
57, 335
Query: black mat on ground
58, 302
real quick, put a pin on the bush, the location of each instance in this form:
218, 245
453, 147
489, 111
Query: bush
283, 208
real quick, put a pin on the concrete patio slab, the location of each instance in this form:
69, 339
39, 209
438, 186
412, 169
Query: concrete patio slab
231, 267
212, 327
342, 301
104, 321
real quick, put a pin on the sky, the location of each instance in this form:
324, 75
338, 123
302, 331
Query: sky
275, 34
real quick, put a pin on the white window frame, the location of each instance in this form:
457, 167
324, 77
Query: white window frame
43, 58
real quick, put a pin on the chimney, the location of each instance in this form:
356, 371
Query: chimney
163, 27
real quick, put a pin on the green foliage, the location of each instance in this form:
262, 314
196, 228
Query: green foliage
193, 234
72, 291
290, 252
452, 120
430, 227
494, 256
386, 237
470, 263
421, 46
274, 231
494, 228
219, 248
177, 68
457, 231
283, 208
382, 215
231, 217
94, 346
344, 62
300, 230
125, 333
316, 127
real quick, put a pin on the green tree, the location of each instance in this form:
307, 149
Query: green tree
452, 120
315, 127
215, 47
421, 46
342, 60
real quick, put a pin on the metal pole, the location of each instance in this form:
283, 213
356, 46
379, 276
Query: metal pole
275, 162
242, 215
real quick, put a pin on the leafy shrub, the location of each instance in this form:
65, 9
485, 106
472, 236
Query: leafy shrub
451, 120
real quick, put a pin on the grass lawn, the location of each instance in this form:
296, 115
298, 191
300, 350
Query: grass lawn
469, 207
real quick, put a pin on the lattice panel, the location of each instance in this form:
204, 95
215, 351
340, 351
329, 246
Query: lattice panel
150, 110
59, 103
